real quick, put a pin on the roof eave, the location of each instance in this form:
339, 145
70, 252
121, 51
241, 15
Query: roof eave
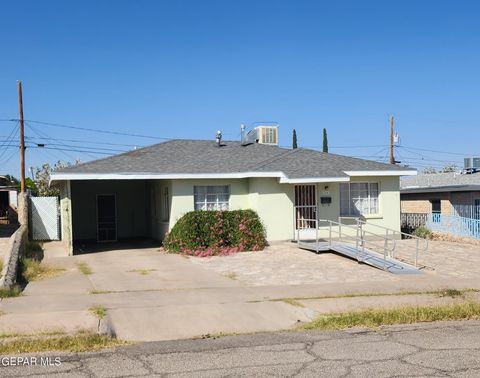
393, 172
283, 179
437, 189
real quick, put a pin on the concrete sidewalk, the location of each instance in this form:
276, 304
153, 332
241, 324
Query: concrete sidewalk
150, 295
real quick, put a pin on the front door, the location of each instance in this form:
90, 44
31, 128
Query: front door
305, 206
106, 218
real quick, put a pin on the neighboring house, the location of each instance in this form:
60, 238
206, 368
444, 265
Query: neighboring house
142, 193
451, 193
8, 202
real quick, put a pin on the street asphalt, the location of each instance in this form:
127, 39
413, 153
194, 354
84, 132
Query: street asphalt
450, 349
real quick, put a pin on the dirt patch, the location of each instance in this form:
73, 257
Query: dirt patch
453, 239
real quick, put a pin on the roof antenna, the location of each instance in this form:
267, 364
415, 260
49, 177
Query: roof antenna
218, 138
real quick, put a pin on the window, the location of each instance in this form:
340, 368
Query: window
436, 210
211, 197
358, 199
436, 206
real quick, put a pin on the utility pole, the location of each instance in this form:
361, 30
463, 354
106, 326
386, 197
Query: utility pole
22, 139
392, 158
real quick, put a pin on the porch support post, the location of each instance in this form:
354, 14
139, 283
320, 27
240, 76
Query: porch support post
66, 216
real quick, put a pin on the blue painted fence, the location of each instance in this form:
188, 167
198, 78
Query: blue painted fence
455, 225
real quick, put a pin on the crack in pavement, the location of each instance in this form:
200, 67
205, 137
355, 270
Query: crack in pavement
398, 351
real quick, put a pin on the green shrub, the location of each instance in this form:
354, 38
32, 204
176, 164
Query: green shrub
208, 233
14, 291
423, 232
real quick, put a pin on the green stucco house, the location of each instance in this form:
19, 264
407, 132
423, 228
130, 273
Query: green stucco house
142, 193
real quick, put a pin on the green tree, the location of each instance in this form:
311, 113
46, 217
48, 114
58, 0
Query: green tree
42, 179
294, 139
429, 170
449, 168
12, 181
31, 186
325, 140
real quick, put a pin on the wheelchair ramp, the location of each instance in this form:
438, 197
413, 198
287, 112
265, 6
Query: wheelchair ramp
362, 255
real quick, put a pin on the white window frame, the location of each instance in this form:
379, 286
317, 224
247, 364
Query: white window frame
200, 203
352, 211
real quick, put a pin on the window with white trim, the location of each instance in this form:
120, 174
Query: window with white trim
359, 198
211, 197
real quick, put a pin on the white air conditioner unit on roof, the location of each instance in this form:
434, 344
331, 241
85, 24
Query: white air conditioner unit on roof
267, 135
262, 134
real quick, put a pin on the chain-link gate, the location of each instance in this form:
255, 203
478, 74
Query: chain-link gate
44, 218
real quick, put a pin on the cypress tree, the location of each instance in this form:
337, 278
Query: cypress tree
325, 140
294, 139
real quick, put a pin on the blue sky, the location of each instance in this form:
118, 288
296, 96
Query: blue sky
183, 69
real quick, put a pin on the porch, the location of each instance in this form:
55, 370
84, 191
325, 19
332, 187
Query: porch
372, 200
108, 211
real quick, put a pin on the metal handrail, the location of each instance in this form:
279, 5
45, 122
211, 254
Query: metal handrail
355, 227
416, 238
317, 221
396, 232
359, 238
362, 239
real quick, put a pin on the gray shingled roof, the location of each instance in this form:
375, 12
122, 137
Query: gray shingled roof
205, 157
440, 181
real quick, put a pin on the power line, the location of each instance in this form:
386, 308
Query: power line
10, 157
437, 151
87, 141
76, 146
95, 130
71, 150
9, 139
40, 133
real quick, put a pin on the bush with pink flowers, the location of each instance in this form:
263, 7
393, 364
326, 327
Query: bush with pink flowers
211, 233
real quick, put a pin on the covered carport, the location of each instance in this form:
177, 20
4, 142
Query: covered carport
111, 211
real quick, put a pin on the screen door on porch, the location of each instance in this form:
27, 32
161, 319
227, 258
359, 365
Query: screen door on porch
305, 206
106, 218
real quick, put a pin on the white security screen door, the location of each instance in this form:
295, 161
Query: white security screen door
305, 206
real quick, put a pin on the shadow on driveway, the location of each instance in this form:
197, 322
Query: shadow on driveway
94, 247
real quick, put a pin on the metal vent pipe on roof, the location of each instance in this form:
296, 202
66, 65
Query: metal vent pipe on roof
218, 138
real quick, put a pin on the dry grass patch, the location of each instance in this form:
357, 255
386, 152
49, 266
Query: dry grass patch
14, 291
453, 293
34, 270
80, 342
143, 272
98, 311
405, 315
231, 275
83, 267
289, 301
100, 292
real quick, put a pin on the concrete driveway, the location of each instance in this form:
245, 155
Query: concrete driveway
150, 295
